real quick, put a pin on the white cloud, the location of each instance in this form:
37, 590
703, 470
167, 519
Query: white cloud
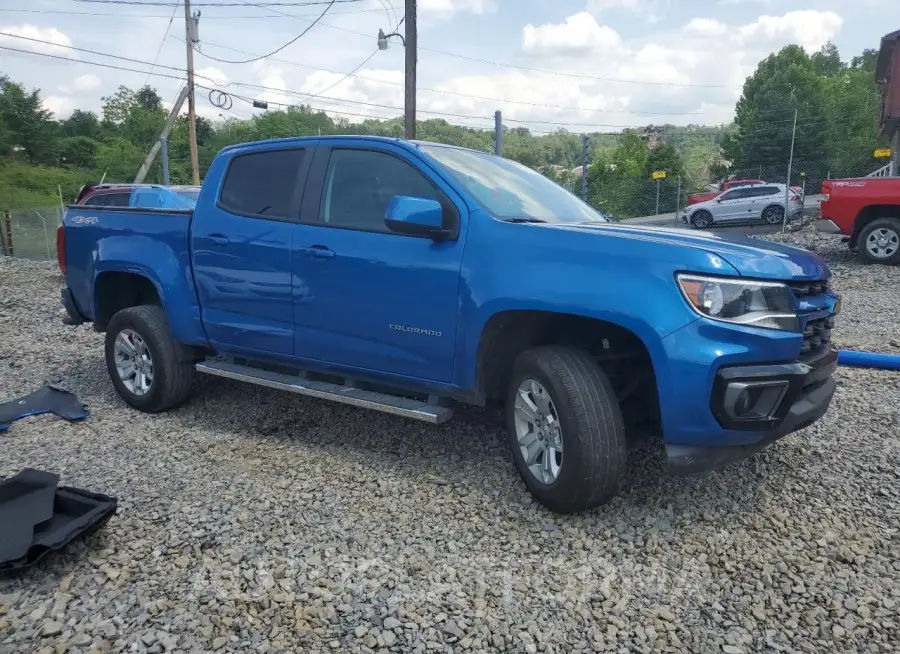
81, 84
580, 34
807, 27
705, 27
596, 6
211, 74
61, 106
45, 39
446, 8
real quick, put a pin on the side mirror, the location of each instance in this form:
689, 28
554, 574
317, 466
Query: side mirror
415, 217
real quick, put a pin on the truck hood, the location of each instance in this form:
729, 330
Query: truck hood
749, 256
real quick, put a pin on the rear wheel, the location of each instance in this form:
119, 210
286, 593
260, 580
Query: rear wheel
879, 241
144, 362
702, 219
773, 215
565, 428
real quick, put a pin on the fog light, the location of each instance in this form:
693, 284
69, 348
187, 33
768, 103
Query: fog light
747, 401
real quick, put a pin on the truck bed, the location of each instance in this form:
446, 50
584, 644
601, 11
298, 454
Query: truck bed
151, 242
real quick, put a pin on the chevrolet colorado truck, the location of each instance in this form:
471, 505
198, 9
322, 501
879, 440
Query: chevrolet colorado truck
409, 277
867, 212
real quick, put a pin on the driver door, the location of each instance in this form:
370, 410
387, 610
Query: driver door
365, 297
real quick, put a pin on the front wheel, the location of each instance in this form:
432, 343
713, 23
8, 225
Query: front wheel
702, 219
879, 241
773, 215
144, 362
565, 428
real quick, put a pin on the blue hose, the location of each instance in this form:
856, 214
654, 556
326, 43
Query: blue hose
869, 360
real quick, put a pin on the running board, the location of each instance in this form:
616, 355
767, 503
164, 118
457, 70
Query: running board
400, 406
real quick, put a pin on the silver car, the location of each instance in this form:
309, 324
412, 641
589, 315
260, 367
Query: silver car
743, 204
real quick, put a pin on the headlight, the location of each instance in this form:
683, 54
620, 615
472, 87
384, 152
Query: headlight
741, 301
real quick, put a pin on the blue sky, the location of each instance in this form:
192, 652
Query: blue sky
586, 65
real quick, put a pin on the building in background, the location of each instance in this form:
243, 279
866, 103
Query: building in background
887, 76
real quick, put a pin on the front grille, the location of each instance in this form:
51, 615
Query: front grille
817, 335
808, 289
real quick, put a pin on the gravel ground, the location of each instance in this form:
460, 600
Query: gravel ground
252, 520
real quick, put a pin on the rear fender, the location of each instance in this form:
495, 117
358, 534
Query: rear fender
156, 261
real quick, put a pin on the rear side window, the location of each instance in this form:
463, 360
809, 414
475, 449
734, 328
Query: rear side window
262, 183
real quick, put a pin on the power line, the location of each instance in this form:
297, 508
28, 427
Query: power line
277, 50
161, 43
91, 63
768, 126
121, 15
519, 67
156, 3
97, 53
448, 92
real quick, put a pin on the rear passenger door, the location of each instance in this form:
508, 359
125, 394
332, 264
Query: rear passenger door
241, 241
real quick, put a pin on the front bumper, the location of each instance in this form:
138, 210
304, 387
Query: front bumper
777, 400
73, 316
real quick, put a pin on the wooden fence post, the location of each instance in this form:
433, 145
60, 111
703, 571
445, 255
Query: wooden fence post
7, 223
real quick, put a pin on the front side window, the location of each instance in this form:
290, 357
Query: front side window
262, 184
509, 190
359, 184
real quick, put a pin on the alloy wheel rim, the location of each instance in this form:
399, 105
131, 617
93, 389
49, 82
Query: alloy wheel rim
538, 431
134, 363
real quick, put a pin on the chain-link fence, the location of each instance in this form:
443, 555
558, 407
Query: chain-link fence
30, 233
625, 197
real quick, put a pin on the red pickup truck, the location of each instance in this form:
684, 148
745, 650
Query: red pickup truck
867, 212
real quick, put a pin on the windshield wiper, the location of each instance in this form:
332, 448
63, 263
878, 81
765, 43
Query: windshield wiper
523, 220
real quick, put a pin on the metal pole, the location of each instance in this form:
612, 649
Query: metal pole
787, 184
498, 133
585, 143
164, 155
192, 117
164, 134
409, 109
895, 155
678, 200
656, 213
7, 219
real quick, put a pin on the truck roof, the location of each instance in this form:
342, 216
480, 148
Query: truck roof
335, 137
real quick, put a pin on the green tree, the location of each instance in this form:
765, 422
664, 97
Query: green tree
782, 84
28, 130
81, 123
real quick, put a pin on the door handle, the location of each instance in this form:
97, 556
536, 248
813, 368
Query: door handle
320, 251
219, 239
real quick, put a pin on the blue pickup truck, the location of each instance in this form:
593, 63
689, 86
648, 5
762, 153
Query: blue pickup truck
408, 277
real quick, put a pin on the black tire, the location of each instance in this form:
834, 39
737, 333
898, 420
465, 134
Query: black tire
702, 219
593, 433
173, 373
773, 215
888, 226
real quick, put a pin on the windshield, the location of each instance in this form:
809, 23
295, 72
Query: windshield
509, 190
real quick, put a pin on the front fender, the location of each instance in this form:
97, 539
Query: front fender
167, 269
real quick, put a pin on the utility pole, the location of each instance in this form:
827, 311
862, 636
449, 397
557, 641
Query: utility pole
498, 133
190, 34
787, 184
163, 135
585, 144
409, 110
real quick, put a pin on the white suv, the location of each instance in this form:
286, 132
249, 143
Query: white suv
743, 204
